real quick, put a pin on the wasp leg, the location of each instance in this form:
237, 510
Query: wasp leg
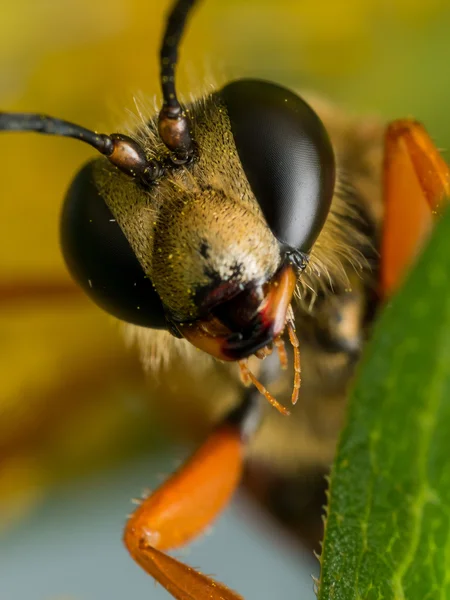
416, 185
48, 291
187, 503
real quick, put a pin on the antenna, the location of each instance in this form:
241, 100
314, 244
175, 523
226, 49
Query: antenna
124, 152
174, 126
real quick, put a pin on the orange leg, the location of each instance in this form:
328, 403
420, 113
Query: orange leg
187, 503
416, 186
47, 291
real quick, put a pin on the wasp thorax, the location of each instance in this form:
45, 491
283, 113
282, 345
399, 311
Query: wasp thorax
208, 249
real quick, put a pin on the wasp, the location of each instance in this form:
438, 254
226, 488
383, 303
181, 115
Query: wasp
217, 228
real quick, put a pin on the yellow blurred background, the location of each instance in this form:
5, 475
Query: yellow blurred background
72, 399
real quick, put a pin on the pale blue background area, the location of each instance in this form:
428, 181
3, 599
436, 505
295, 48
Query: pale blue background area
70, 549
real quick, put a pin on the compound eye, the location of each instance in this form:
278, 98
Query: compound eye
286, 155
100, 258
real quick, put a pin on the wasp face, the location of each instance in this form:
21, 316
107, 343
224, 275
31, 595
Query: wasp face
212, 250
215, 272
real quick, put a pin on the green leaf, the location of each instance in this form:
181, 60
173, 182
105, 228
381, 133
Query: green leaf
388, 528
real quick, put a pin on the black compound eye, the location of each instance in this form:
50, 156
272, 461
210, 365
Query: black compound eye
100, 258
286, 155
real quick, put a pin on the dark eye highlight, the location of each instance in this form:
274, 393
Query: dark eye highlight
101, 259
286, 155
